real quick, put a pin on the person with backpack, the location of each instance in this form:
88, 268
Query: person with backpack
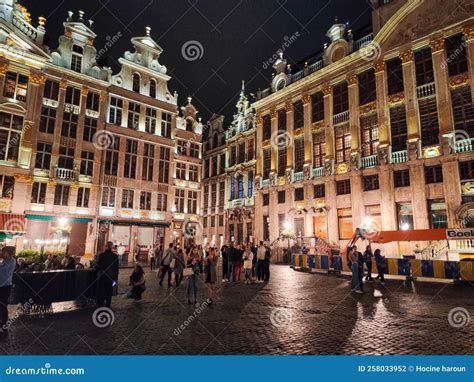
166, 267
368, 262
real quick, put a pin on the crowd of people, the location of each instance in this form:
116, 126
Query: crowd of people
51, 262
361, 264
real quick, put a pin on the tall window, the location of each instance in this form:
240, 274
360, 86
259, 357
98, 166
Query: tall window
213, 194
394, 76
342, 140
343, 187
267, 127
250, 149
429, 121
401, 178
76, 58
61, 195
466, 170
90, 128
127, 198
10, 136
164, 166
456, 49
299, 154
51, 90
166, 125
193, 173
87, 163
47, 120
250, 184
240, 184
181, 170
233, 156
83, 194
189, 124
162, 202
112, 157
130, 165
298, 114
281, 119
16, 86
463, 110
73, 95
38, 192
115, 111
241, 152
179, 200
108, 197
281, 160
340, 98
194, 150
319, 191
398, 128
437, 213
133, 115
221, 193
206, 196
145, 200
370, 134
69, 126
232, 187
319, 149
7, 184
43, 156
367, 91
148, 159
344, 219
317, 107
299, 194
433, 174
371, 182
66, 157
267, 157
405, 216
150, 120
92, 101
206, 168
136, 82
423, 67
152, 88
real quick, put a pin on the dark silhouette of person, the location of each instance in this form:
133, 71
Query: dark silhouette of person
107, 266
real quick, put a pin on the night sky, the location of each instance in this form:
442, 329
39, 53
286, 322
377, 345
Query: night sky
237, 37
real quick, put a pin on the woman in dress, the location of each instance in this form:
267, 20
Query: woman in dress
248, 258
137, 281
193, 262
211, 264
179, 265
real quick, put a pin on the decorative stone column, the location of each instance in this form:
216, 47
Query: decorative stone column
383, 116
308, 137
58, 123
443, 95
290, 122
328, 130
258, 153
331, 203
274, 150
353, 93
411, 105
469, 40
451, 188
3, 70
418, 192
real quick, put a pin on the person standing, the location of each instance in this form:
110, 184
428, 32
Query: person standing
355, 281
151, 258
253, 248
178, 267
260, 262
158, 254
7, 267
381, 264
107, 266
230, 258
368, 262
193, 263
210, 263
238, 262
248, 262
266, 264
225, 264
166, 265
360, 263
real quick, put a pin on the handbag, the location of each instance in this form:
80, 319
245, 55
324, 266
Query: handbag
187, 272
248, 264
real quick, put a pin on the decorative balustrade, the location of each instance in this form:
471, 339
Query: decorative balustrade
369, 161
65, 173
426, 90
363, 41
464, 145
400, 156
318, 172
340, 117
265, 183
298, 176
110, 181
26, 28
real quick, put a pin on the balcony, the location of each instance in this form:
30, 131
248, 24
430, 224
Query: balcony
464, 145
369, 161
318, 172
400, 156
340, 117
364, 41
265, 183
298, 177
426, 90
239, 203
65, 174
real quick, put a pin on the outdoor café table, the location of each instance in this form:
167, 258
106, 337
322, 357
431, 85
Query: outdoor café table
42, 288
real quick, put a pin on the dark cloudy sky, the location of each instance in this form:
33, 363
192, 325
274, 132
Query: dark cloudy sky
237, 37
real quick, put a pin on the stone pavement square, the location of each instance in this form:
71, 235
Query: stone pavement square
294, 313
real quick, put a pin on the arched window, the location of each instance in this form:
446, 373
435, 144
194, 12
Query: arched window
153, 88
189, 124
76, 58
136, 83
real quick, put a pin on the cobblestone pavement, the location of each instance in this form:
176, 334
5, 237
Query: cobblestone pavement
294, 313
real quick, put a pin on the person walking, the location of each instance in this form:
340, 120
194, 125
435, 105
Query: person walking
225, 263
137, 282
253, 248
210, 263
158, 254
368, 262
7, 267
381, 264
151, 258
355, 281
178, 267
238, 253
266, 264
166, 265
230, 258
193, 263
107, 266
260, 262
248, 262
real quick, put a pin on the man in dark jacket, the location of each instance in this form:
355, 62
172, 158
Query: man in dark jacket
225, 264
230, 261
107, 266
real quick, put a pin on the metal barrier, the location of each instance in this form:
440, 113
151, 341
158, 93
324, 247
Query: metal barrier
451, 270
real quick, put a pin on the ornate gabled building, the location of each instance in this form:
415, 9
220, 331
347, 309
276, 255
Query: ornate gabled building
85, 155
214, 183
375, 131
240, 170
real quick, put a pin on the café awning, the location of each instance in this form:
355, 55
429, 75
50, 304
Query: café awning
12, 225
